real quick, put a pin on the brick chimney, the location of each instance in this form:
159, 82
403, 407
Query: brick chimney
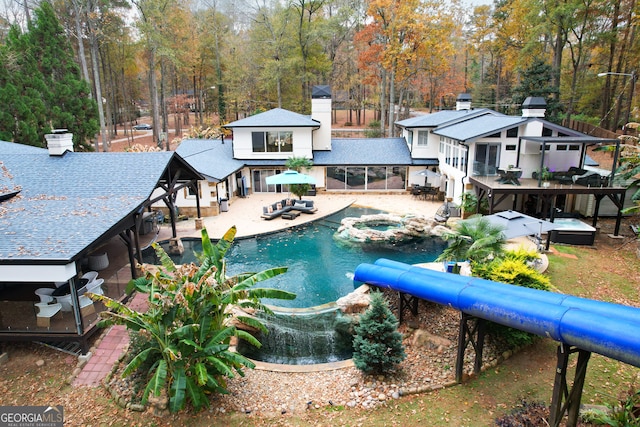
463, 102
59, 142
321, 111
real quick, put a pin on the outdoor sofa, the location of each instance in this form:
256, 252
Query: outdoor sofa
275, 210
578, 176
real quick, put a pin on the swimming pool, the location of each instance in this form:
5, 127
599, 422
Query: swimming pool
319, 270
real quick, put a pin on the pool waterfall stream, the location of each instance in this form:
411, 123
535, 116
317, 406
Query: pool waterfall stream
309, 329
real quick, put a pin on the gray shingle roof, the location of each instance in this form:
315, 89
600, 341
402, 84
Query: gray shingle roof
364, 151
68, 202
278, 117
442, 118
215, 160
478, 127
210, 157
13, 148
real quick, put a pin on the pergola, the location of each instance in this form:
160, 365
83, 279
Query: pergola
496, 192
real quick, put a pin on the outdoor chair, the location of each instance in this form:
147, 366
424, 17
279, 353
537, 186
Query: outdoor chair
46, 312
589, 178
95, 287
45, 294
90, 276
65, 302
86, 305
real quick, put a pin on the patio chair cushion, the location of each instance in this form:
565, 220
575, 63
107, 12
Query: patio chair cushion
588, 178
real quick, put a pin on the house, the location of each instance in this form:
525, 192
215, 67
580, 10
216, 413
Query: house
59, 213
262, 143
473, 148
468, 147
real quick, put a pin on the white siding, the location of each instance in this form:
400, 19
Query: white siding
243, 149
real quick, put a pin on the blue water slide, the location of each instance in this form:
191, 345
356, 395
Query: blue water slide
605, 308
603, 328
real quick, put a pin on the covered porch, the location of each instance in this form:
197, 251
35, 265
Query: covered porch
83, 224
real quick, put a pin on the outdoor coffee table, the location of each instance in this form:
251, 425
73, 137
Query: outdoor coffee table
290, 215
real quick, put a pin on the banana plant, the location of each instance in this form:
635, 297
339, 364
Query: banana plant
188, 325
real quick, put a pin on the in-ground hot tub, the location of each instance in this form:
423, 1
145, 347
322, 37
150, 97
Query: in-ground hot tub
573, 232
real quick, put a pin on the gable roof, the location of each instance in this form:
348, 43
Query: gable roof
69, 202
364, 151
211, 157
278, 117
443, 117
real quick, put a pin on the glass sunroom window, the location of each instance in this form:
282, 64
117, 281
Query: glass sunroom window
366, 178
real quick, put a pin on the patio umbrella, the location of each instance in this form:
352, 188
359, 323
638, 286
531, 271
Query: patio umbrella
517, 224
290, 177
427, 173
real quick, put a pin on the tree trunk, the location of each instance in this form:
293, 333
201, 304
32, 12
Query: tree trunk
557, 59
163, 107
383, 96
81, 54
93, 43
392, 107
153, 95
606, 96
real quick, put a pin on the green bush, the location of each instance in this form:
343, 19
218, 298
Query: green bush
626, 413
183, 338
373, 130
513, 269
377, 344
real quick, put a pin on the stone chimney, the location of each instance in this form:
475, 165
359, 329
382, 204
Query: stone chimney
59, 142
463, 102
321, 111
534, 106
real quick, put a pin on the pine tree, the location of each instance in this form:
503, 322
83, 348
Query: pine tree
23, 116
377, 345
536, 80
41, 87
68, 102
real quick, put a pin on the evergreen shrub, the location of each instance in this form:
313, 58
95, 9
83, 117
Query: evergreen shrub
377, 345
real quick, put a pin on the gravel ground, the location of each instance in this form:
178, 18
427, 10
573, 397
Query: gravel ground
427, 367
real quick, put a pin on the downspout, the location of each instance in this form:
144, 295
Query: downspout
466, 169
196, 189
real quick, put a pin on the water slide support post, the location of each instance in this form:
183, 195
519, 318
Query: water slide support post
407, 301
472, 330
560, 389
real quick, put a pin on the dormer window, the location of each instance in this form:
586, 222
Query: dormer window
272, 142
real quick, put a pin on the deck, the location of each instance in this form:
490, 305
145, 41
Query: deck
497, 193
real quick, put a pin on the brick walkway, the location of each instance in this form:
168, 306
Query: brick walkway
108, 350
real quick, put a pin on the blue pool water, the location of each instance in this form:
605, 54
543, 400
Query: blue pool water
319, 270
